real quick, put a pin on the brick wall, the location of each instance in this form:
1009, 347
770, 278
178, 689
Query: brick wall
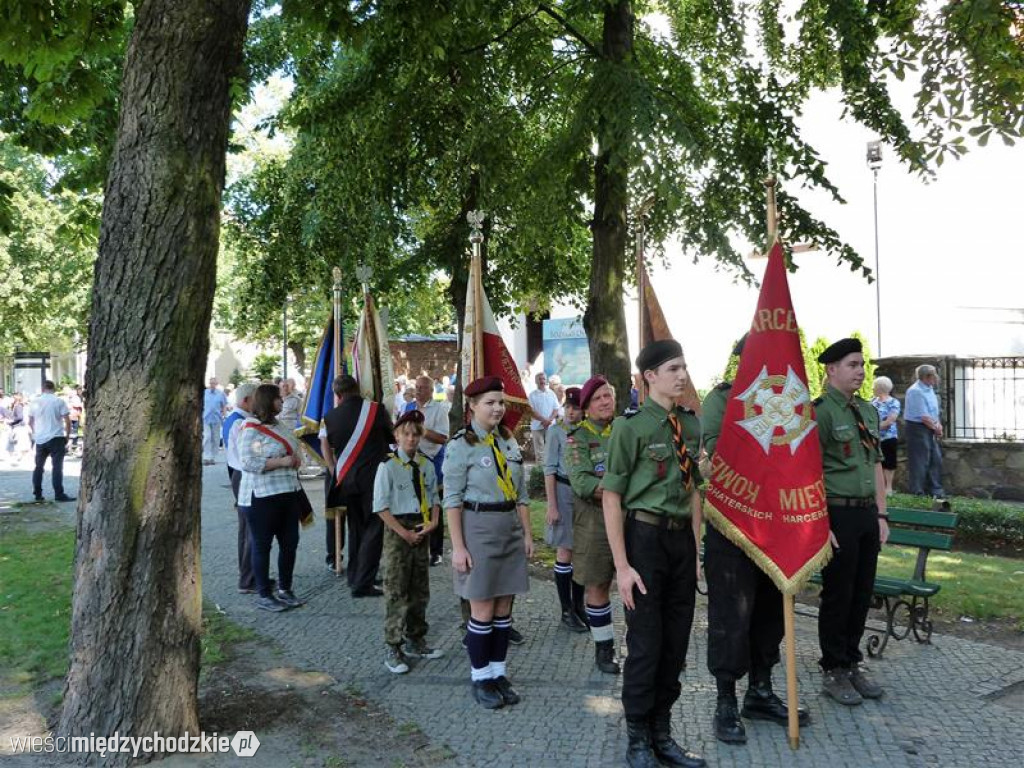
435, 358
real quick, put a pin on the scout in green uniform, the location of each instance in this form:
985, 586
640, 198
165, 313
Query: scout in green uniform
489, 518
405, 497
745, 624
652, 511
595, 567
855, 490
558, 532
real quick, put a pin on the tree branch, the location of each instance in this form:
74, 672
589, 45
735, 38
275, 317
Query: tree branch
543, 7
499, 37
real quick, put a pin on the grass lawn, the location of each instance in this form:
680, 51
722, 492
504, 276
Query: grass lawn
35, 611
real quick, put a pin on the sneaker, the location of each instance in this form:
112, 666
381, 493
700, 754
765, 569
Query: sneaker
421, 650
65, 497
270, 603
865, 685
288, 597
836, 683
515, 637
394, 660
436, 560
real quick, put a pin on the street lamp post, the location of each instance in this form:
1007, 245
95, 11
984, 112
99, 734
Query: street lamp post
284, 327
874, 158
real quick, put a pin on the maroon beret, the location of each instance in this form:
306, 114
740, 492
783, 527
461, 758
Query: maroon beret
572, 397
482, 385
410, 417
593, 384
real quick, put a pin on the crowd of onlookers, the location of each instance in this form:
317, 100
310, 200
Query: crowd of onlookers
18, 439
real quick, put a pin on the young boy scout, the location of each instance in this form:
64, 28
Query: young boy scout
595, 567
652, 511
405, 497
855, 493
745, 623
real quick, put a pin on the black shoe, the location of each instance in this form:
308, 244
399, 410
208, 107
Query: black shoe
38, 498
639, 753
487, 694
436, 560
665, 747
508, 693
65, 497
761, 703
288, 597
604, 657
515, 637
728, 727
572, 622
371, 592
271, 604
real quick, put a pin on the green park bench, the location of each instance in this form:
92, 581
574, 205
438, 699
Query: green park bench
926, 530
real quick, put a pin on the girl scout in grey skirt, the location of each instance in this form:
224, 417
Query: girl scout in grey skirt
558, 533
485, 495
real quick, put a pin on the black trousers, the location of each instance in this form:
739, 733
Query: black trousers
365, 541
658, 628
745, 624
246, 580
53, 450
847, 584
273, 517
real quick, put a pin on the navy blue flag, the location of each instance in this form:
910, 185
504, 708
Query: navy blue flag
319, 396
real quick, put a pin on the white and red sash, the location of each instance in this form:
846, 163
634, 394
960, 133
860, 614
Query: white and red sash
347, 459
270, 433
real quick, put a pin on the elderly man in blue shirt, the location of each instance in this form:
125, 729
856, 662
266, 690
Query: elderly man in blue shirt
214, 405
924, 430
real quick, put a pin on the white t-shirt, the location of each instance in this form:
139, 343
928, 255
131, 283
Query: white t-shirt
545, 403
435, 418
48, 412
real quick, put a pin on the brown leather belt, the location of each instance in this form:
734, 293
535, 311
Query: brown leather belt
847, 502
659, 521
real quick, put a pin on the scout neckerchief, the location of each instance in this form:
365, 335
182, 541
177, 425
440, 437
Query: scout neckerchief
508, 488
419, 484
869, 441
272, 434
685, 462
591, 427
364, 425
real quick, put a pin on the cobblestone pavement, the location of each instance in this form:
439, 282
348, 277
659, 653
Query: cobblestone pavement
953, 702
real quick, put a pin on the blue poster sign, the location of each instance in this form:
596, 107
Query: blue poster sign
566, 351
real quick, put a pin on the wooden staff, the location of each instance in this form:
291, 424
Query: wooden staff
476, 276
339, 346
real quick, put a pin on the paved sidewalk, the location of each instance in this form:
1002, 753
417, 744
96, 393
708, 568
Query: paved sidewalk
942, 705
954, 702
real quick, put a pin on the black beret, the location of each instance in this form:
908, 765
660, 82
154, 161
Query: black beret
738, 349
839, 350
658, 352
572, 397
482, 385
410, 417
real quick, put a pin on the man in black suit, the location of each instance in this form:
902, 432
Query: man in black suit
360, 436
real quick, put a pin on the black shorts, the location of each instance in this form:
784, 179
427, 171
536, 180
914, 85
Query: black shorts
889, 453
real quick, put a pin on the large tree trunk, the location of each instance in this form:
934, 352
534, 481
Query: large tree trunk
136, 612
605, 318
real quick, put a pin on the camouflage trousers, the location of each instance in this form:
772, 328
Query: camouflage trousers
406, 588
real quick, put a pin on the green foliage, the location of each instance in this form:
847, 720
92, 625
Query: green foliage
535, 483
236, 378
46, 256
815, 370
264, 367
867, 389
982, 519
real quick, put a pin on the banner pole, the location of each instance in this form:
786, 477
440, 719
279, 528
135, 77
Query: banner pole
339, 348
792, 694
773, 211
476, 275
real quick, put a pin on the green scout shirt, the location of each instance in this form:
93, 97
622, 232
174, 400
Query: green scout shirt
849, 466
586, 457
642, 465
712, 413
393, 488
471, 475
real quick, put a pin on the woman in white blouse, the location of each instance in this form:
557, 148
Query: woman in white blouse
269, 497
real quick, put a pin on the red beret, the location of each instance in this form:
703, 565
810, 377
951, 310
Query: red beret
593, 384
482, 385
572, 396
410, 417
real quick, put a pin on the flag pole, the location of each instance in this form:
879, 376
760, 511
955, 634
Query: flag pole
476, 237
339, 347
792, 693
641, 281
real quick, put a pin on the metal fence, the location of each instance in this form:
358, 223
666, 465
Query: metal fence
985, 398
